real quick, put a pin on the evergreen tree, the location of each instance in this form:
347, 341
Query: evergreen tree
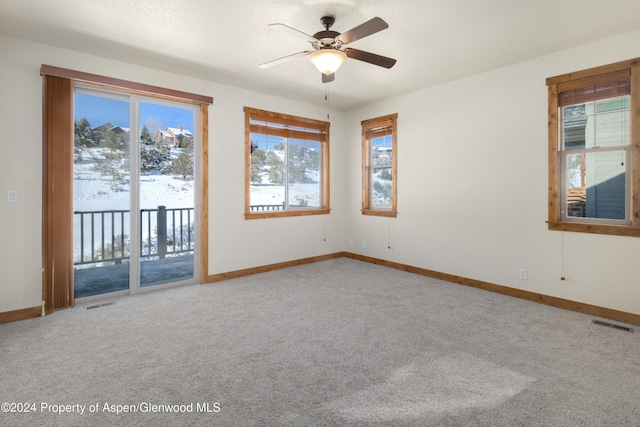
145, 136
154, 159
296, 153
276, 172
258, 159
383, 191
82, 133
276, 175
312, 159
186, 143
297, 173
110, 140
385, 174
256, 178
183, 165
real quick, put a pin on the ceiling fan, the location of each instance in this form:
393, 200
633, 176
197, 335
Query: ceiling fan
328, 46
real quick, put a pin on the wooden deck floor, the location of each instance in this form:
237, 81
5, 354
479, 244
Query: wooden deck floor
112, 278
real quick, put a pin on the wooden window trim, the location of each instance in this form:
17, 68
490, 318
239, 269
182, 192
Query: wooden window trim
565, 82
367, 127
57, 178
303, 122
111, 83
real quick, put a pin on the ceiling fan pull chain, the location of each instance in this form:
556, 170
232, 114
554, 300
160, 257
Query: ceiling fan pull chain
326, 98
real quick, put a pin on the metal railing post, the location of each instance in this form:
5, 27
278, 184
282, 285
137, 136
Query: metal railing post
162, 231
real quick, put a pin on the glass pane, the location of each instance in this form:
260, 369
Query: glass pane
381, 173
612, 126
602, 123
304, 173
167, 195
101, 195
267, 173
574, 126
596, 185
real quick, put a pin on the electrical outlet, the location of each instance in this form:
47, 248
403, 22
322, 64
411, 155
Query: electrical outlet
12, 196
225, 259
364, 244
523, 274
350, 242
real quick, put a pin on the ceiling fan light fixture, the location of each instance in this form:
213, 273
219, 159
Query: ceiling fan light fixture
327, 61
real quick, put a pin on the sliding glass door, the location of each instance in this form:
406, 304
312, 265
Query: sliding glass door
167, 194
135, 216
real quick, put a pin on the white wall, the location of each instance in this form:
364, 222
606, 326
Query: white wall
472, 186
246, 243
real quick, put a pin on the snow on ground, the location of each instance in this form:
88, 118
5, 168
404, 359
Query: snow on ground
94, 191
269, 194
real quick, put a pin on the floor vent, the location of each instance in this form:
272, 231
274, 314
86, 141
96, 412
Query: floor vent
611, 325
104, 304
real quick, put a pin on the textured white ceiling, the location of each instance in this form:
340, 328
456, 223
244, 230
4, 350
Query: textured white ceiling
434, 41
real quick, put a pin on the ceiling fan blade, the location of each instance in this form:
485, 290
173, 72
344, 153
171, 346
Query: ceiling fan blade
328, 79
293, 31
369, 57
363, 30
284, 59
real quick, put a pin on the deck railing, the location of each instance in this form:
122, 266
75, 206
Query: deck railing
174, 231
262, 208
103, 239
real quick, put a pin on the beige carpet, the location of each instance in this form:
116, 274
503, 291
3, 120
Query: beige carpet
336, 343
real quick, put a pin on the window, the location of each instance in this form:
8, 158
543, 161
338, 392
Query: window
594, 162
379, 174
287, 160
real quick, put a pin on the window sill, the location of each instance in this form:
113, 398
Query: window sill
389, 214
614, 230
282, 214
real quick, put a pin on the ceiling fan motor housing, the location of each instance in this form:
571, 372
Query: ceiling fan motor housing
326, 37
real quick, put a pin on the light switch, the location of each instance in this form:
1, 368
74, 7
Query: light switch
12, 196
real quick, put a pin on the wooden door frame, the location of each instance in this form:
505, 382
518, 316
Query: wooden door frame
57, 218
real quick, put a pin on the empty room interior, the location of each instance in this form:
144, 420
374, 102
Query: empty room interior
348, 212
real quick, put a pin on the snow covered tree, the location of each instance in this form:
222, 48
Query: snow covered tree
385, 174
83, 135
145, 136
186, 143
276, 168
258, 159
312, 159
183, 165
297, 173
112, 166
110, 140
155, 159
382, 190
